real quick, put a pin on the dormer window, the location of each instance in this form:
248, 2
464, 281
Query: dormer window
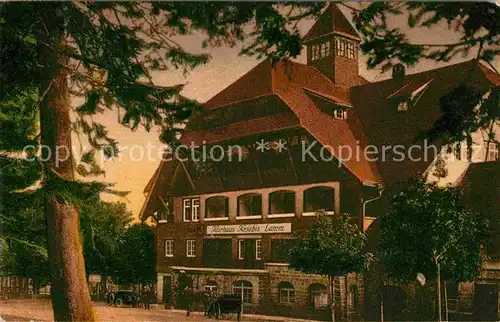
340, 114
345, 48
320, 50
493, 153
403, 106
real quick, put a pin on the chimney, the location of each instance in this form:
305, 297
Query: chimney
398, 72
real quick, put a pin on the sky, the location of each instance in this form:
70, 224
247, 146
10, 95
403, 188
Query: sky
131, 173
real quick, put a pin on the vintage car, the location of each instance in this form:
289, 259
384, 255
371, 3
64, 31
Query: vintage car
121, 298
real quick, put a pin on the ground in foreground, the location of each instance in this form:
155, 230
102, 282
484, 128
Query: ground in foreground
41, 310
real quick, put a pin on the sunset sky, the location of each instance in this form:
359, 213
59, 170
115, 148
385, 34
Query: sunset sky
225, 67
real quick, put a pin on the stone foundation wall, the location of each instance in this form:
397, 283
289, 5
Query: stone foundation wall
266, 291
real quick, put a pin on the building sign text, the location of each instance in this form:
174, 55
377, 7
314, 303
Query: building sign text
249, 229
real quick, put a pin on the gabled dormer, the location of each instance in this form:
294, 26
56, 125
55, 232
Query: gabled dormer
333, 46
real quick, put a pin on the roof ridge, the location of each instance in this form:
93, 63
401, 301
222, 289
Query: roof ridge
242, 77
470, 61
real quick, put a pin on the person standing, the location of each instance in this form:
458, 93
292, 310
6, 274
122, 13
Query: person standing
188, 298
146, 299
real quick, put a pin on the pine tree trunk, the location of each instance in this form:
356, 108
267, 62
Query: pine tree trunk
69, 291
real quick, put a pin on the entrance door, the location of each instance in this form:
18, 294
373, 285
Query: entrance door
183, 282
167, 291
486, 302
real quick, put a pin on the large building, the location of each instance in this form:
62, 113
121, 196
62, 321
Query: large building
274, 147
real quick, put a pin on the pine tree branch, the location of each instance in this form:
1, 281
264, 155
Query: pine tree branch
167, 41
349, 6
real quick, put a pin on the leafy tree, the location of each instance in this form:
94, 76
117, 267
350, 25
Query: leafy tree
135, 261
103, 224
440, 170
478, 28
333, 247
428, 230
25, 235
104, 52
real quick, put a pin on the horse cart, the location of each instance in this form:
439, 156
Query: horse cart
225, 307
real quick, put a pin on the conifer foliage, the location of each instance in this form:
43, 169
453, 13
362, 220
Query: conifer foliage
104, 52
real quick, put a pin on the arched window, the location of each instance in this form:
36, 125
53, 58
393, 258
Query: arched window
212, 287
319, 198
286, 293
318, 296
216, 207
250, 204
282, 202
244, 289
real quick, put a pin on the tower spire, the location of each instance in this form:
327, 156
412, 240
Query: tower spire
331, 21
332, 47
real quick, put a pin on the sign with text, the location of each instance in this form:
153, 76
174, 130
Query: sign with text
249, 229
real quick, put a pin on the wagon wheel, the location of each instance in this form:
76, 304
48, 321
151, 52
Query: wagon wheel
240, 312
218, 313
119, 302
212, 310
227, 316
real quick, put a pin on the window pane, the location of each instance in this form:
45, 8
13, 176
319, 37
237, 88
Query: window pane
250, 205
241, 249
286, 293
195, 209
403, 105
493, 153
258, 249
186, 210
350, 50
191, 248
319, 198
282, 202
320, 300
169, 248
244, 289
216, 207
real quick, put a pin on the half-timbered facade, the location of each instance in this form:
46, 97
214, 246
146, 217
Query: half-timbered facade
269, 151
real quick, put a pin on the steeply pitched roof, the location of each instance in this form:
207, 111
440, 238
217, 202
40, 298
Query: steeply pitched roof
373, 119
255, 83
376, 106
232, 131
289, 82
163, 175
483, 179
332, 20
481, 184
481, 187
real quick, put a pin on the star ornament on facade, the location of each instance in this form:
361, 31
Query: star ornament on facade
280, 145
262, 146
